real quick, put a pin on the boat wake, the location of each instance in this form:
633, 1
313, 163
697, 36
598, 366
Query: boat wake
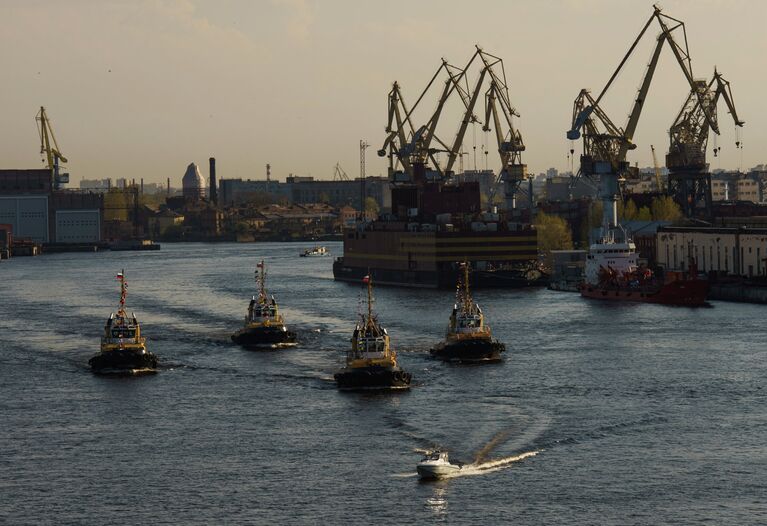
491, 466
482, 464
477, 468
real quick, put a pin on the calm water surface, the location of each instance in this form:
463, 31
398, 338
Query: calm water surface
600, 414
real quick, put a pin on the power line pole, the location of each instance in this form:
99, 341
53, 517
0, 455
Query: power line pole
363, 146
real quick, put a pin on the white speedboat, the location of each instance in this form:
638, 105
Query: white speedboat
437, 465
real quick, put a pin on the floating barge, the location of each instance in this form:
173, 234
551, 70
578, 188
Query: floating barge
423, 247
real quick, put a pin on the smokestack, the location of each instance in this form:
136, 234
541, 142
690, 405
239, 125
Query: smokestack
268, 176
142, 186
168, 189
213, 189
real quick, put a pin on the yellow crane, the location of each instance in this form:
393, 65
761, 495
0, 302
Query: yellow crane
50, 148
658, 179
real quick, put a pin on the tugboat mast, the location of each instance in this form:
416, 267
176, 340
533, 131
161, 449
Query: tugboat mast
370, 299
260, 279
123, 293
466, 292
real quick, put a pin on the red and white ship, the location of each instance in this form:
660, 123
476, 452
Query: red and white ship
612, 273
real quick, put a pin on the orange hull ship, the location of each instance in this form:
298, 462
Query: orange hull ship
612, 273
685, 292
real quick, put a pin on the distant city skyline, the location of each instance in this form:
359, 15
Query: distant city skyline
141, 89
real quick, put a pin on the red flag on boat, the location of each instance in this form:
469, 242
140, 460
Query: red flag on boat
366, 279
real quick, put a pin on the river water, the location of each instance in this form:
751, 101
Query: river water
600, 413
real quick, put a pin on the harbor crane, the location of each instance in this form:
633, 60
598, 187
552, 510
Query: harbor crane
605, 145
339, 174
413, 146
510, 144
50, 148
689, 181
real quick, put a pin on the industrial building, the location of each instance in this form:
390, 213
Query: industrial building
738, 186
307, 190
734, 251
36, 211
193, 183
236, 191
340, 193
562, 188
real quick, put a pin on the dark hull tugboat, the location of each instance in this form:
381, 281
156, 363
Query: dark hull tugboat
264, 325
371, 363
123, 348
468, 339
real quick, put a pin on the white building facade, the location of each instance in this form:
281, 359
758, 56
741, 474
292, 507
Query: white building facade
734, 251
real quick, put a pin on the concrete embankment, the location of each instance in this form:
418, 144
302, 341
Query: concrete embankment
738, 292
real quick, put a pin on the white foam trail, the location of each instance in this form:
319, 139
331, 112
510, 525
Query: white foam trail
404, 475
473, 469
491, 466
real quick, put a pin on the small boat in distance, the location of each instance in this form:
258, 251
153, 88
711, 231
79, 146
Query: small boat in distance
264, 325
123, 348
468, 339
436, 465
317, 251
370, 362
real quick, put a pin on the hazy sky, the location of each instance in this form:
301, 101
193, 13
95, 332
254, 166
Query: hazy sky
142, 88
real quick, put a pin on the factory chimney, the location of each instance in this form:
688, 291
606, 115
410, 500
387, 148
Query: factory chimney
268, 176
167, 191
213, 188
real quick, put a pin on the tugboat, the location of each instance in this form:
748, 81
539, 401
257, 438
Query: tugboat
436, 465
264, 326
612, 273
468, 339
123, 349
315, 252
371, 363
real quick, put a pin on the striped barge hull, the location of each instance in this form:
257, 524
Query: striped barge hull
499, 259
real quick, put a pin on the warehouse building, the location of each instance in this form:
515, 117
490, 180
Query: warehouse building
733, 251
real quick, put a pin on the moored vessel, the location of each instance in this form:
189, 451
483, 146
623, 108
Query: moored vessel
123, 348
371, 363
468, 338
264, 325
436, 465
612, 273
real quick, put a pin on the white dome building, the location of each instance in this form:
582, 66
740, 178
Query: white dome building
193, 183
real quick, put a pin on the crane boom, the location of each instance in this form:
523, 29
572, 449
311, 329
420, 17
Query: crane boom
689, 180
639, 101
468, 117
510, 144
413, 146
50, 147
604, 144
